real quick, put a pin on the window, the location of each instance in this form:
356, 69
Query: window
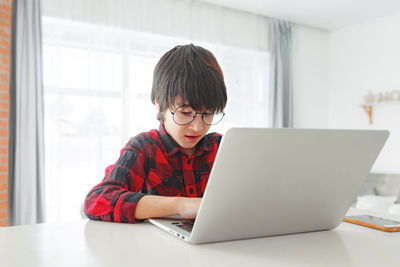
97, 95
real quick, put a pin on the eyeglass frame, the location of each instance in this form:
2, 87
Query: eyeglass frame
194, 116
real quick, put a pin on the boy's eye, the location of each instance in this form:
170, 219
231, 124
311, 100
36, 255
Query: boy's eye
187, 113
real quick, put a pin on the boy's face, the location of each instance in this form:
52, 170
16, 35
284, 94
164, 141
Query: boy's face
186, 136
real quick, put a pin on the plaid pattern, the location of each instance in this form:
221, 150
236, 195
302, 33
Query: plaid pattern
151, 163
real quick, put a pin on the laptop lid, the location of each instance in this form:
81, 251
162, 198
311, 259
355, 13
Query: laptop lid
279, 181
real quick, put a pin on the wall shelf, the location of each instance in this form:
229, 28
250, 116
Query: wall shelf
369, 107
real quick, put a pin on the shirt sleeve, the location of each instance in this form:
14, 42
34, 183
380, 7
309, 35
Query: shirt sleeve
116, 197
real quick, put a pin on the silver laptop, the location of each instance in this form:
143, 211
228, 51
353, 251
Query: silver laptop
268, 182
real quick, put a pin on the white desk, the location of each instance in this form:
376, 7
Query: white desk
89, 243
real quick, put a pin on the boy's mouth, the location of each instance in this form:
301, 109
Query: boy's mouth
192, 138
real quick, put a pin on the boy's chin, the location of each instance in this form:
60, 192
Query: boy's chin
191, 146
187, 145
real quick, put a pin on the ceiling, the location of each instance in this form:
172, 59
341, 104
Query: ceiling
324, 14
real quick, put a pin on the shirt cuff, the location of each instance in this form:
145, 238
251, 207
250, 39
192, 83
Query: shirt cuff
125, 208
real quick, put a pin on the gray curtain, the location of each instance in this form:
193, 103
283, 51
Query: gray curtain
26, 159
281, 97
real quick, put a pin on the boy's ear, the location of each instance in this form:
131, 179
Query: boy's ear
157, 104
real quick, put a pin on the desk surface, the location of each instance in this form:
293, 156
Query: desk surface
90, 243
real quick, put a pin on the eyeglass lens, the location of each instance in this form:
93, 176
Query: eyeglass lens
185, 115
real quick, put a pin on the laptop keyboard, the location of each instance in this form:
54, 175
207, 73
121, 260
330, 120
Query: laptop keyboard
186, 225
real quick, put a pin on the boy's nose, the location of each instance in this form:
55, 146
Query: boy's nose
197, 124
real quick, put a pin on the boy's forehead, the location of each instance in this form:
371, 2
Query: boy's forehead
179, 101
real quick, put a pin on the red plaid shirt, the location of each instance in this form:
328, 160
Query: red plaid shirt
151, 163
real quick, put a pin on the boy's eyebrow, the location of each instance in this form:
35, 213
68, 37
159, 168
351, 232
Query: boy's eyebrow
182, 105
190, 106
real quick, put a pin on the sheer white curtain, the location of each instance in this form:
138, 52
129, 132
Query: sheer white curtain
99, 58
26, 165
191, 20
281, 82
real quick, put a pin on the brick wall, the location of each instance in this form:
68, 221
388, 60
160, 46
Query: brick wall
5, 40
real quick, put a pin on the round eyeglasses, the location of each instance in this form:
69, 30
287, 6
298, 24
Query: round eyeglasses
184, 115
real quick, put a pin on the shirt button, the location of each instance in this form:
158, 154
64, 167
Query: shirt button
191, 190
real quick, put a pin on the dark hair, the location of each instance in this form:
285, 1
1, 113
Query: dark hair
192, 73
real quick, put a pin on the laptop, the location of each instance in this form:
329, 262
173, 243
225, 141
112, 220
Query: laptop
269, 181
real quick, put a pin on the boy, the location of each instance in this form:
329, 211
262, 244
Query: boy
165, 172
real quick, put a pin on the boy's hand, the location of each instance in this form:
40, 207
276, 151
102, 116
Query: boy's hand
188, 207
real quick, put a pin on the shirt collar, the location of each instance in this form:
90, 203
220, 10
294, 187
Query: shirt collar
167, 141
172, 148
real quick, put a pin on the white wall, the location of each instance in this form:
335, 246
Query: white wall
362, 58
333, 71
310, 77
